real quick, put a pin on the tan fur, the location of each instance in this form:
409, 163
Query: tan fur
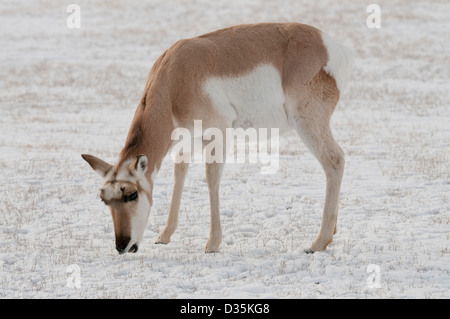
173, 89
173, 97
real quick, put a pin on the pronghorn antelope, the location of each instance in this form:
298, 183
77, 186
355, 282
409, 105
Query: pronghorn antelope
285, 75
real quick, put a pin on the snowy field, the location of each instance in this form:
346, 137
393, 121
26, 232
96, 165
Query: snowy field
65, 92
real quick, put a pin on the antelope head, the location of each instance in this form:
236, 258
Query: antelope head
127, 192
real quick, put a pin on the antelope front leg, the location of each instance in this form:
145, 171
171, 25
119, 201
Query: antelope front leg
180, 171
213, 175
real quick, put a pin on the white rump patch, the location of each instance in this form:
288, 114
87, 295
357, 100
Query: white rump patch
340, 61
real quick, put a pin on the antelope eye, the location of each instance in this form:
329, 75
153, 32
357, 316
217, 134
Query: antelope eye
131, 197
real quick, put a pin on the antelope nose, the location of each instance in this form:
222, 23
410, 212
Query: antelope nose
134, 248
121, 244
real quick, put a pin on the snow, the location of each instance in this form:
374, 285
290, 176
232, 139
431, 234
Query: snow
65, 92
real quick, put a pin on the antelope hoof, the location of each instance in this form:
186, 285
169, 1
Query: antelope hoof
211, 249
163, 240
320, 244
164, 236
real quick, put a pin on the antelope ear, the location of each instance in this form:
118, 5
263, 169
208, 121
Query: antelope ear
140, 164
99, 166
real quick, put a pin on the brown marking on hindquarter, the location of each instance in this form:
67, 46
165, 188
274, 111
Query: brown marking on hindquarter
324, 88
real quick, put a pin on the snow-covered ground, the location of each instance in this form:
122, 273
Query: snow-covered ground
70, 91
